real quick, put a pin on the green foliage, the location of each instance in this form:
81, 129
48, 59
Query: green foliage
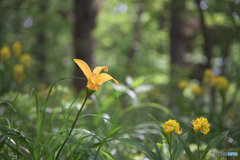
15, 67
118, 122
213, 143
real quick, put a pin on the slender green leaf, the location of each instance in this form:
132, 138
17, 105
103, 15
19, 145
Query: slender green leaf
156, 148
34, 91
108, 155
187, 149
179, 149
48, 96
112, 133
2, 141
52, 119
14, 148
13, 109
214, 142
155, 120
140, 146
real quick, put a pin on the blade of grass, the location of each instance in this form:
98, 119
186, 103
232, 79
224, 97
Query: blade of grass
157, 149
48, 96
13, 107
52, 119
34, 91
10, 108
140, 146
112, 133
47, 100
2, 141
108, 155
11, 145
153, 105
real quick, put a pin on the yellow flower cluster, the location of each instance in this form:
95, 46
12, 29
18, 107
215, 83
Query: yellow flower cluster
17, 48
182, 84
219, 82
201, 125
196, 89
18, 73
208, 75
5, 54
25, 58
170, 126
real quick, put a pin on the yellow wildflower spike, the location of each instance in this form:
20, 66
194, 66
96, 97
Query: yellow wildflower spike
170, 126
201, 125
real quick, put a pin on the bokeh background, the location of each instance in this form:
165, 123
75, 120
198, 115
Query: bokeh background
149, 46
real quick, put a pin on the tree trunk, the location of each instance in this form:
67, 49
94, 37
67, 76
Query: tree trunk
41, 44
136, 31
177, 45
206, 46
85, 15
177, 36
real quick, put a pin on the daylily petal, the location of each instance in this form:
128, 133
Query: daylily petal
103, 77
92, 86
96, 81
97, 70
84, 67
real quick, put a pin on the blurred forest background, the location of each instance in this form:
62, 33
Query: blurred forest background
138, 38
149, 46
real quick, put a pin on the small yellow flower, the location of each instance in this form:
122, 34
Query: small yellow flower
208, 75
18, 73
18, 68
220, 82
182, 84
201, 125
17, 48
5, 53
196, 89
25, 58
170, 126
95, 78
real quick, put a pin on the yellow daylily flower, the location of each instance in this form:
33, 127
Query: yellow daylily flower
95, 78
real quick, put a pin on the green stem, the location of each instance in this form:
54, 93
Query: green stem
72, 126
198, 144
170, 145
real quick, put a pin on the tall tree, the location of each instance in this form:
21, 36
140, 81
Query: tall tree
206, 46
85, 15
177, 36
41, 42
136, 33
177, 43
136, 30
